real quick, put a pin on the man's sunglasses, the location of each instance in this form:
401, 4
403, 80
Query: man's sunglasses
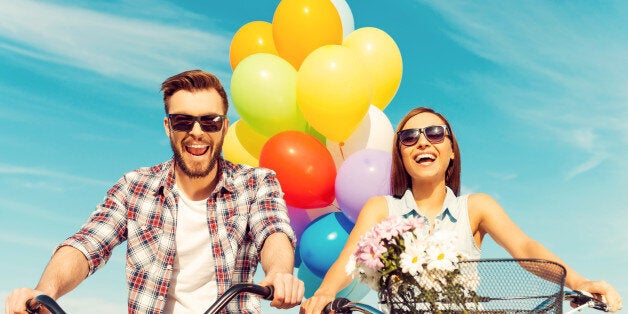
433, 133
185, 123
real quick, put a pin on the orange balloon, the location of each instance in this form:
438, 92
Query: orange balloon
253, 37
301, 26
304, 167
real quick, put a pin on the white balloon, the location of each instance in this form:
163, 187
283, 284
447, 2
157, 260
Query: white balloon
346, 17
374, 132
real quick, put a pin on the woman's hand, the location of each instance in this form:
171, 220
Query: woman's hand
316, 303
602, 290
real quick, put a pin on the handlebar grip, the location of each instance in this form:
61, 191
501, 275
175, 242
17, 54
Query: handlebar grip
47, 302
336, 305
269, 294
583, 297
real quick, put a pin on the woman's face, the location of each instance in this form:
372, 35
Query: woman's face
425, 160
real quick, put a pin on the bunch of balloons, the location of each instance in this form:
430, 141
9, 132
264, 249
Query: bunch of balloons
310, 92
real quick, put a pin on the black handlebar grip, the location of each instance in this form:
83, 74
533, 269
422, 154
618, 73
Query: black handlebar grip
269, 294
336, 305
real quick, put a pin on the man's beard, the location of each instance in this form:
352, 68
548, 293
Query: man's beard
189, 171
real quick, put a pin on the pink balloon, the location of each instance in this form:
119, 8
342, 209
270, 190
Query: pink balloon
364, 174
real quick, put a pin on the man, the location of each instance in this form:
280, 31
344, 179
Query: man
194, 225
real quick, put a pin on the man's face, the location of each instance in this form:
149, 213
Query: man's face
196, 151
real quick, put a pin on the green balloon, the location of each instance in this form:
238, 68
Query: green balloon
263, 89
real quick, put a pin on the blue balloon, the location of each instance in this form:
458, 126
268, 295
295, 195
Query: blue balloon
323, 240
355, 291
310, 280
297, 257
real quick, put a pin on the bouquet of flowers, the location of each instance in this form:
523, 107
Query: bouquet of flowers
412, 270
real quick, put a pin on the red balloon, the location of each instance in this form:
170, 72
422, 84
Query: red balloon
304, 167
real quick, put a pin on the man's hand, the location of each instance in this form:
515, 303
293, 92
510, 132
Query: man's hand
289, 290
16, 301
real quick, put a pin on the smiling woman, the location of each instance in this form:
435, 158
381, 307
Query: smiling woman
425, 186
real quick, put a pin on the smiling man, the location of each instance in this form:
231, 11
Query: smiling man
194, 225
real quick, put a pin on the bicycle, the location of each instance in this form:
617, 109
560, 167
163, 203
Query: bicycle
504, 286
266, 293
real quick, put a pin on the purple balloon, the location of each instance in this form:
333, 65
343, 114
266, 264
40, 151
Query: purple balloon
298, 220
364, 174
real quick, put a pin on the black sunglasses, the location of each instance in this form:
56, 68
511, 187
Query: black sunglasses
433, 133
185, 122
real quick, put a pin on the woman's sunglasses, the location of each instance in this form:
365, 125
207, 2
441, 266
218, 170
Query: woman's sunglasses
185, 123
433, 133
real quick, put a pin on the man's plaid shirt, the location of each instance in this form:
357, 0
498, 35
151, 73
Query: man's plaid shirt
246, 207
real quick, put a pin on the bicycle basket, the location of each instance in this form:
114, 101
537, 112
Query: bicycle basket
480, 286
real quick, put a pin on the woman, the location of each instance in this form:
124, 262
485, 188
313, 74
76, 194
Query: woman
425, 181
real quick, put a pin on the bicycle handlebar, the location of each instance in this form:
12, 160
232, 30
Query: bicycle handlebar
579, 298
265, 292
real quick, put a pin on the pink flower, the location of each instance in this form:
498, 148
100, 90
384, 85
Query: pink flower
368, 255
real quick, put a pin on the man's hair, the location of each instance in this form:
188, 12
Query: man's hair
400, 180
192, 81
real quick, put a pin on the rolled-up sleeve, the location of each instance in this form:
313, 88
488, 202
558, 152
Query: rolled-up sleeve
104, 229
269, 213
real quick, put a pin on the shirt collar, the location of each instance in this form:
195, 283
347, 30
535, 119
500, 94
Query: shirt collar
450, 199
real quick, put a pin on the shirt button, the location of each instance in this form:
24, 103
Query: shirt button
169, 267
160, 298
143, 228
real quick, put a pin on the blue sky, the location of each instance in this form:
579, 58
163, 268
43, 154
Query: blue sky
536, 92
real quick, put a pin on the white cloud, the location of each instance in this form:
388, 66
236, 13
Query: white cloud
7, 169
561, 68
591, 163
111, 45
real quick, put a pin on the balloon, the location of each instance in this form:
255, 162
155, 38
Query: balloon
314, 213
333, 91
382, 59
322, 241
304, 168
375, 132
363, 175
254, 37
297, 257
310, 280
346, 17
355, 291
263, 88
242, 145
299, 219
301, 26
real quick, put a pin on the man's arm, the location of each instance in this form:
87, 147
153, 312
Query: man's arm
67, 269
277, 259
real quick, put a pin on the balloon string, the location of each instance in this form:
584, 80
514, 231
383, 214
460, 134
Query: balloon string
340, 145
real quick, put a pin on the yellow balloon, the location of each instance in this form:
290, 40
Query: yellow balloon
242, 145
250, 139
333, 91
253, 37
301, 26
382, 58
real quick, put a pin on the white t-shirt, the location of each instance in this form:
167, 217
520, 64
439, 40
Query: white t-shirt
193, 287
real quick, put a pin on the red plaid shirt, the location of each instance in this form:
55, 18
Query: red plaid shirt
141, 208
